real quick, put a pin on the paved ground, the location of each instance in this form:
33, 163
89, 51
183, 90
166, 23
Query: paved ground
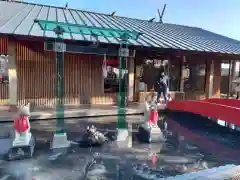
72, 111
182, 152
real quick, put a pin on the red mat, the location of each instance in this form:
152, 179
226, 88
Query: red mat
229, 114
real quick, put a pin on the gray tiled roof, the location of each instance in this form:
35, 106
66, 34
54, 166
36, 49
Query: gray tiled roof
18, 18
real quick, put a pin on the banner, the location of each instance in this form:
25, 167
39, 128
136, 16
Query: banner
104, 67
111, 73
3, 69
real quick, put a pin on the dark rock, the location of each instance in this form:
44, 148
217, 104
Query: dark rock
144, 134
92, 137
151, 134
162, 124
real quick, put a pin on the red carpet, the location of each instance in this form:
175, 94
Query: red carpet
204, 108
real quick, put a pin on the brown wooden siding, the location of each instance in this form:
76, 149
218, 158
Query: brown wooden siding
35, 70
3, 87
84, 80
3, 45
3, 94
36, 77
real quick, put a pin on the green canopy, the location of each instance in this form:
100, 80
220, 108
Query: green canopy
87, 30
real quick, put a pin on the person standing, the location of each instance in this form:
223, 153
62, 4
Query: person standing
162, 87
237, 90
110, 73
110, 81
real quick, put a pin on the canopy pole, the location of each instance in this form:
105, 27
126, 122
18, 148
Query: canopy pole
59, 83
60, 137
123, 54
122, 93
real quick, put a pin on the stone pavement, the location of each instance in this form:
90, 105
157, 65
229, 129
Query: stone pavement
172, 157
75, 112
114, 162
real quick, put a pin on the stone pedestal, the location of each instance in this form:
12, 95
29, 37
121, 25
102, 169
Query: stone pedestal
150, 134
122, 134
23, 144
60, 141
22, 139
22, 147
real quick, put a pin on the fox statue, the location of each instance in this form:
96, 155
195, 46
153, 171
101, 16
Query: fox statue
22, 125
23, 143
149, 131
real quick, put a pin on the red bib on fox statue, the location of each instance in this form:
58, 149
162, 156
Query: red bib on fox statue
1, 77
21, 124
153, 117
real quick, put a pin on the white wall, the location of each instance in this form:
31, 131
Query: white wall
225, 68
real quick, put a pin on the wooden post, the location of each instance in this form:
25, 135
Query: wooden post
210, 81
12, 73
209, 78
217, 79
229, 78
182, 77
233, 76
131, 64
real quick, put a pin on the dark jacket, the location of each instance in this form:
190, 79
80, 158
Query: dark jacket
161, 84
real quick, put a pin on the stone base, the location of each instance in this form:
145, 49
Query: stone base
162, 124
60, 141
22, 151
150, 134
22, 139
122, 134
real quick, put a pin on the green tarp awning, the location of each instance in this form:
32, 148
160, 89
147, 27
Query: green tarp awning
87, 30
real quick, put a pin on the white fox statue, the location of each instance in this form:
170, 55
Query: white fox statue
22, 126
23, 143
149, 130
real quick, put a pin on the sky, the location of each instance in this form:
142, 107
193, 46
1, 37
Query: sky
219, 16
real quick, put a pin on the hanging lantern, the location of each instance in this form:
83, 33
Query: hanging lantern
104, 67
21, 124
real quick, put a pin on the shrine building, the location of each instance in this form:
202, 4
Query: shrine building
190, 56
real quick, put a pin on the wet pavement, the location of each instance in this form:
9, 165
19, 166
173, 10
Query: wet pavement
189, 147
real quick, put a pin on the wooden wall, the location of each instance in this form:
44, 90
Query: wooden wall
37, 77
224, 84
83, 76
3, 44
3, 87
